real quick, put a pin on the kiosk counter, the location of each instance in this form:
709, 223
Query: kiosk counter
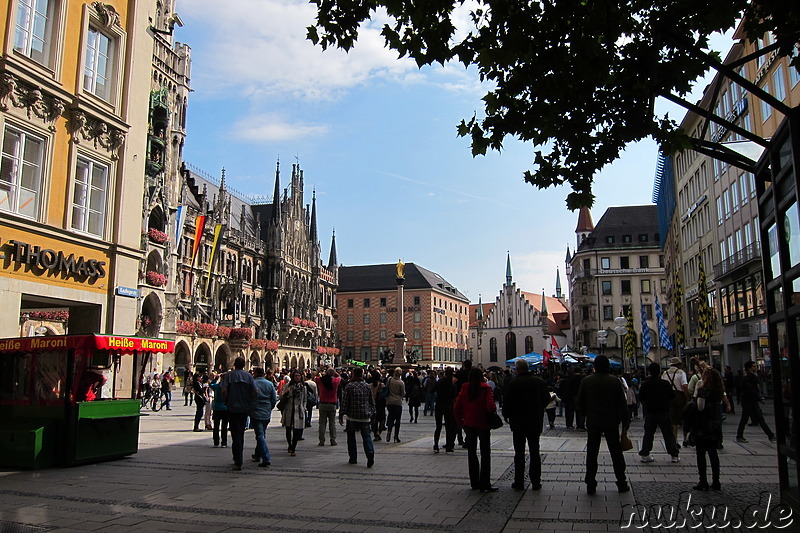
71, 399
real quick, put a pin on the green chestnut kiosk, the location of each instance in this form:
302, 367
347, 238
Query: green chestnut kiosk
71, 399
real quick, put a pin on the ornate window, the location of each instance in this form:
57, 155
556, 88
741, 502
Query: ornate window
528, 344
98, 63
493, 350
21, 172
89, 196
511, 345
34, 30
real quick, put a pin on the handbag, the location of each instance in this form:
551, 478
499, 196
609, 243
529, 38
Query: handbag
281, 403
625, 441
495, 422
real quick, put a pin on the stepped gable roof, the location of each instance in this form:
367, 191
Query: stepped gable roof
633, 220
473, 313
384, 278
557, 312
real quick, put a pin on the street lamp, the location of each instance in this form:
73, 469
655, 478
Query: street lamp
621, 329
602, 339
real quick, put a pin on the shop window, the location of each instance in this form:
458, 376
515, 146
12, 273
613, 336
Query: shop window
21, 172
89, 196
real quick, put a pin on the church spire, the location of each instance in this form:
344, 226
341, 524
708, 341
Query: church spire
544, 305
558, 284
276, 196
508, 269
333, 261
480, 309
313, 231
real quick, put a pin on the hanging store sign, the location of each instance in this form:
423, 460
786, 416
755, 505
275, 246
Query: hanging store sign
56, 261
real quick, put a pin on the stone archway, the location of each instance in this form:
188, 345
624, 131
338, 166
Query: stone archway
294, 362
268, 361
183, 358
222, 359
152, 314
255, 360
202, 357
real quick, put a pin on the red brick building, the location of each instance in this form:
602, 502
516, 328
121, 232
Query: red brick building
435, 315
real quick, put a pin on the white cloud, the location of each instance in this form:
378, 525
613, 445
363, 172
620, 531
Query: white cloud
258, 49
535, 271
270, 127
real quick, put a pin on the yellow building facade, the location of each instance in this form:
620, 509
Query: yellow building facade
74, 95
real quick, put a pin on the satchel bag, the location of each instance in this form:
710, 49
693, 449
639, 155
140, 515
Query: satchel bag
281, 403
495, 422
311, 398
625, 441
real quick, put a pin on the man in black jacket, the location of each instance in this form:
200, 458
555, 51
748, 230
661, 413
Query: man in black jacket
656, 395
568, 391
603, 400
751, 400
524, 402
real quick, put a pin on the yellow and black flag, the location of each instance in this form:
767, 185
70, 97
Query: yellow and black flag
704, 317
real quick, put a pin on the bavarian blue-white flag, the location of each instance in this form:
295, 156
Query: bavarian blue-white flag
180, 218
647, 342
663, 337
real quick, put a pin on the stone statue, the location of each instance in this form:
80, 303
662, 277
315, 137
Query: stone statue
400, 267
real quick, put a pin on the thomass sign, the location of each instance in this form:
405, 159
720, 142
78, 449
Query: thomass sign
45, 259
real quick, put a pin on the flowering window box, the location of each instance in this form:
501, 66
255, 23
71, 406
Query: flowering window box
155, 279
156, 236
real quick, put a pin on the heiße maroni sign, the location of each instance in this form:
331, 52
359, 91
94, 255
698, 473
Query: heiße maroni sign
56, 261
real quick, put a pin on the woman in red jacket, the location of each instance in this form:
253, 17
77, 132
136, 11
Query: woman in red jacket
471, 411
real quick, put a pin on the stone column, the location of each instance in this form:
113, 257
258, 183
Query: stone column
400, 336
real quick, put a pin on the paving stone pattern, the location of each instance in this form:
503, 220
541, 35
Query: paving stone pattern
179, 482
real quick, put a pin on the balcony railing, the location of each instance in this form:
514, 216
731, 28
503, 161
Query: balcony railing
749, 253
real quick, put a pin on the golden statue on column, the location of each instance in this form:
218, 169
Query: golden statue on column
400, 267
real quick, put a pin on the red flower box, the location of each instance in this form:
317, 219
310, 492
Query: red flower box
272, 345
186, 327
206, 330
296, 321
56, 316
240, 333
223, 332
157, 236
155, 279
257, 344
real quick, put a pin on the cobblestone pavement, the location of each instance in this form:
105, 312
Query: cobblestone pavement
179, 482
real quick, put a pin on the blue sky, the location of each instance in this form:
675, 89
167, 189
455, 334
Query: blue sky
376, 138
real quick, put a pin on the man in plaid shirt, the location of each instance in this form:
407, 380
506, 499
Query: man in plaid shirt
359, 408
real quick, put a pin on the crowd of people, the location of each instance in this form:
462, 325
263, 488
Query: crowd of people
681, 404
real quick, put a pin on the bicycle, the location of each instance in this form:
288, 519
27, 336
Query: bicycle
153, 399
